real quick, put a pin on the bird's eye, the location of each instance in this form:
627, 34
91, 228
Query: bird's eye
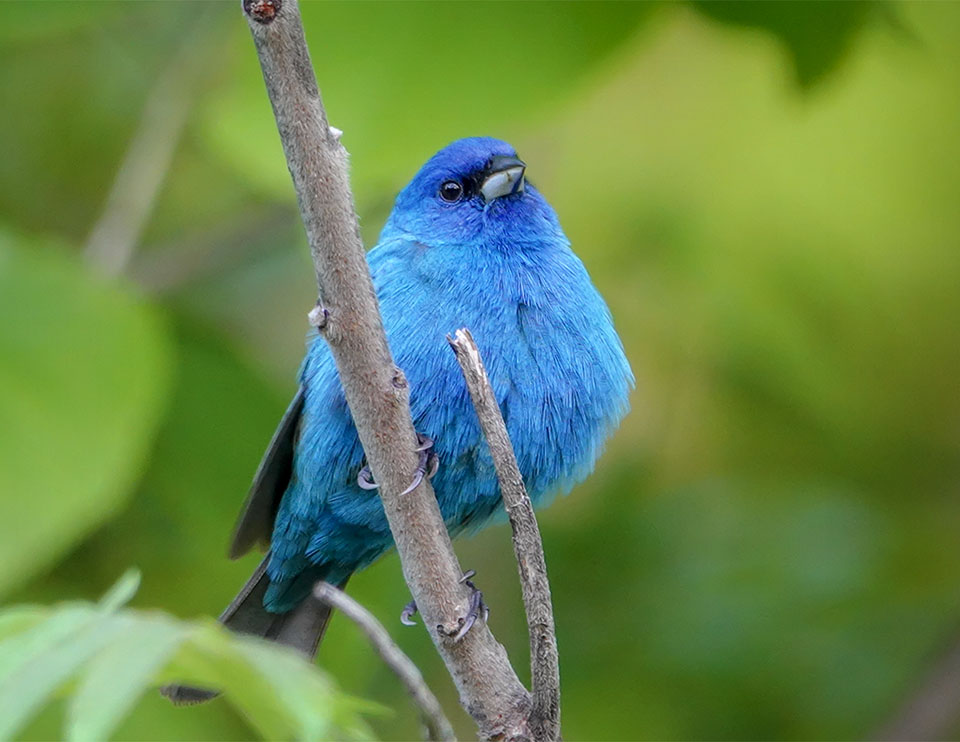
451, 191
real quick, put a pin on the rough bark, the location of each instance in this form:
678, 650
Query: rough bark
375, 389
527, 544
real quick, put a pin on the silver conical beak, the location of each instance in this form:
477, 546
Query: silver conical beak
503, 177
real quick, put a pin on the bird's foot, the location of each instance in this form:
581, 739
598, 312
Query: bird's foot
407, 614
476, 609
427, 466
365, 479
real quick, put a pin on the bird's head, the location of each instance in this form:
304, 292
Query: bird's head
473, 191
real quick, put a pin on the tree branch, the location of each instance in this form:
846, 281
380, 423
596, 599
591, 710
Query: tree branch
375, 389
438, 727
527, 544
932, 709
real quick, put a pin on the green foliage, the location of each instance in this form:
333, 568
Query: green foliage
816, 33
768, 548
109, 657
83, 376
515, 45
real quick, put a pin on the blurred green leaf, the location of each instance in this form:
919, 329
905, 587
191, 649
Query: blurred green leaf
816, 33
118, 675
435, 88
769, 542
177, 526
16, 619
122, 591
83, 378
39, 633
50, 655
117, 655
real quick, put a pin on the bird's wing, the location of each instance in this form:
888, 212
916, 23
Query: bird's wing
255, 524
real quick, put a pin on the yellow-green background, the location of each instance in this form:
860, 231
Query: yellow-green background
768, 195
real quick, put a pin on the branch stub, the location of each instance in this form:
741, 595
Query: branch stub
262, 11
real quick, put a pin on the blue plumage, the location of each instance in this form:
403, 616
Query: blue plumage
497, 262
468, 244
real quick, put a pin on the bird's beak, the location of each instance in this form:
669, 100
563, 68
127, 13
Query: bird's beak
502, 177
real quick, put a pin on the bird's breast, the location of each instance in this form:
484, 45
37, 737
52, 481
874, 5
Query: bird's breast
547, 341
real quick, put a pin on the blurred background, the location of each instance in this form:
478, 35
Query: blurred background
767, 194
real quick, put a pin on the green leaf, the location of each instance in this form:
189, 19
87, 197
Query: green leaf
16, 650
300, 696
118, 655
118, 675
210, 658
83, 378
61, 645
122, 592
17, 619
816, 33
280, 693
220, 418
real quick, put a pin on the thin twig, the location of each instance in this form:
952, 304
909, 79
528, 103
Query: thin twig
144, 167
375, 389
438, 727
527, 544
932, 710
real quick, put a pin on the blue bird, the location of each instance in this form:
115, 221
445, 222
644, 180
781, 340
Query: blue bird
469, 243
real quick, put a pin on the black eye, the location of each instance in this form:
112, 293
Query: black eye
451, 191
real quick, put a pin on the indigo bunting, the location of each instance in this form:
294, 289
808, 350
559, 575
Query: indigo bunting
469, 243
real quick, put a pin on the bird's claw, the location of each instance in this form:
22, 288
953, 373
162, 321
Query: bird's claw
427, 466
406, 616
365, 479
476, 609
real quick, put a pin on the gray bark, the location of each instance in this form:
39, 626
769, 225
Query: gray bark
527, 544
375, 389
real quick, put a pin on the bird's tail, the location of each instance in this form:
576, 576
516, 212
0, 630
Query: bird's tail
301, 628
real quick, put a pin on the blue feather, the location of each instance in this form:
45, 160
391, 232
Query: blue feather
505, 270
